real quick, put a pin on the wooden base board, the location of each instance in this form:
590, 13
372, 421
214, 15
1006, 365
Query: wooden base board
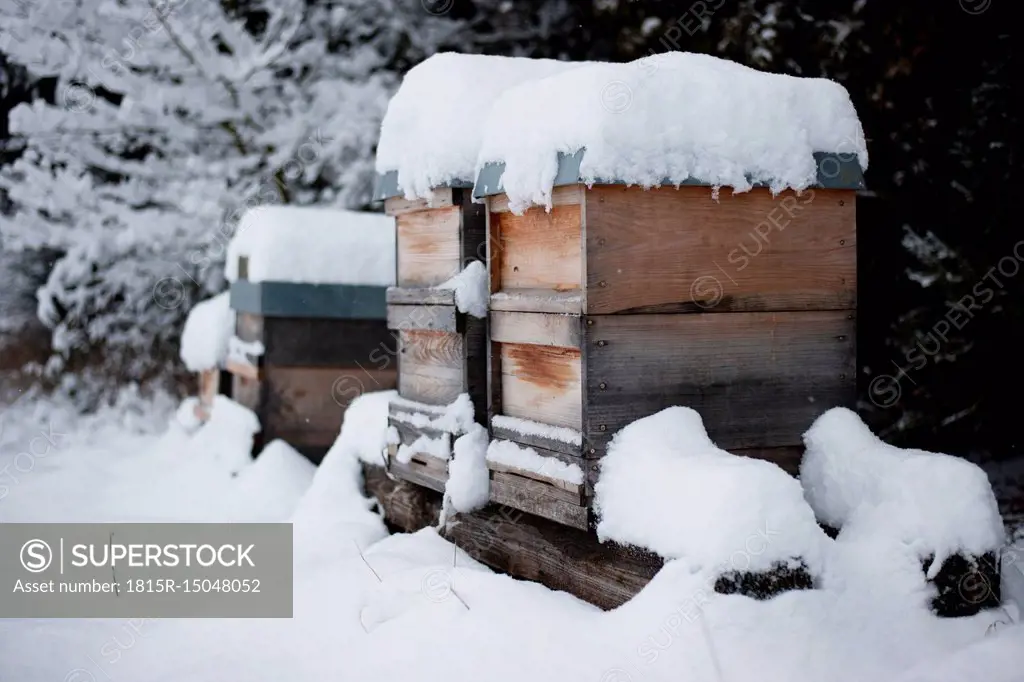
521, 545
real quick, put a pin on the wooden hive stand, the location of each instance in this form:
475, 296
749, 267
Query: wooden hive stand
441, 351
318, 343
620, 301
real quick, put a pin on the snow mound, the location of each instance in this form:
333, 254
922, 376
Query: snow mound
936, 503
432, 129
314, 246
208, 328
471, 288
665, 486
271, 487
666, 119
469, 482
228, 434
364, 429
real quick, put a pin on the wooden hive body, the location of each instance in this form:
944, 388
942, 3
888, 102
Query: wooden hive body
319, 345
620, 301
441, 351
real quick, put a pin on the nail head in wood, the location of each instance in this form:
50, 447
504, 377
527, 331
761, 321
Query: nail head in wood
602, 283
602, 386
603, 427
842, 242
601, 343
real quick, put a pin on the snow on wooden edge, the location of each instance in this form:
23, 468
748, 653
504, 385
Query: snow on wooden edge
432, 129
667, 119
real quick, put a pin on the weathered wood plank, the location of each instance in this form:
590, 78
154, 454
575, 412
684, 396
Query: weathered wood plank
423, 317
541, 383
415, 472
569, 452
407, 507
679, 250
540, 329
429, 246
534, 498
315, 398
429, 388
567, 195
420, 296
537, 301
563, 558
758, 379
539, 250
441, 197
435, 349
555, 487
312, 342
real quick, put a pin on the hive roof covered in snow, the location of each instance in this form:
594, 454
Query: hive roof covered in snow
431, 132
313, 246
670, 119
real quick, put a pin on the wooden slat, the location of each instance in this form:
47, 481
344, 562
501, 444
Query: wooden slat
315, 398
539, 250
475, 340
541, 329
432, 366
758, 379
541, 383
533, 497
537, 301
563, 558
429, 246
567, 452
426, 317
563, 490
420, 296
311, 342
415, 472
679, 250
567, 195
428, 389
406, 506
442, 197
436, 349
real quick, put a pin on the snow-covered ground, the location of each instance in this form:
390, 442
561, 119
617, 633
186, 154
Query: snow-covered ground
373, 607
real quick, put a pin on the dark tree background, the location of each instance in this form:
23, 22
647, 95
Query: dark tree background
932, 82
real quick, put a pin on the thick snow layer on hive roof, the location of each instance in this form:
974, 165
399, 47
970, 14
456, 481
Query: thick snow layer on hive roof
432, 129
671, 118
314, 246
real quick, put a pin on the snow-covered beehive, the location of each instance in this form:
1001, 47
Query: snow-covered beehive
308, 288
426, 162
679, 230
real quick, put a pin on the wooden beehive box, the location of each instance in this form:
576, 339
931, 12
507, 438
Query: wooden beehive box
308, 287
441, 351
317, 342
622, 301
